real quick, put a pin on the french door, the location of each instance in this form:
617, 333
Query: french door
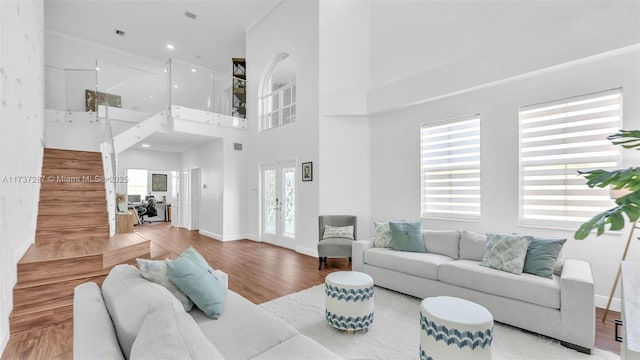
279, 204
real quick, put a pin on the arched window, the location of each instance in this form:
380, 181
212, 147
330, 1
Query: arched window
278, 94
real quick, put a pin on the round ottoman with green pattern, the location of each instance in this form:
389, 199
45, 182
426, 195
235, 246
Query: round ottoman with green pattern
349, 300
453, 328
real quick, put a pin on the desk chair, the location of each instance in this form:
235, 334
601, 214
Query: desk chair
335, 247
148, 210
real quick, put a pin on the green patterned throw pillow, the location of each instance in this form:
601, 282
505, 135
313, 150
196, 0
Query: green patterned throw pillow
156, 271
506, 252
382, 235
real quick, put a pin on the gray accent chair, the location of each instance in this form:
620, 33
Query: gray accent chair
335, 247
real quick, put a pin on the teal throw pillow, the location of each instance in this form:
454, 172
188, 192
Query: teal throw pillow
407, 236
542, 255
192, 274
506, 252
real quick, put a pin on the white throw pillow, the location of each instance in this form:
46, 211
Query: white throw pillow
338, 232
472, 245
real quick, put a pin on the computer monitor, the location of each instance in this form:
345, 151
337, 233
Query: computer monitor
134, 198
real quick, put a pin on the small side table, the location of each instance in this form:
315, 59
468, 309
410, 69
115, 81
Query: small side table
453, 328
349, 300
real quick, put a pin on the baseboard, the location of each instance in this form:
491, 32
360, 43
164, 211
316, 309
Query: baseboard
210, 234
307, 251
253, 237
220, 237
601, 302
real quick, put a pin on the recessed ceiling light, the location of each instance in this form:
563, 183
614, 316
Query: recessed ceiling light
165, 70
193, 70
170, 46
175, 86
145, 145
150, 96
97, 68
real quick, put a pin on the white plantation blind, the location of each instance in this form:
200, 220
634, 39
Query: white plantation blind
556, 140
450, 167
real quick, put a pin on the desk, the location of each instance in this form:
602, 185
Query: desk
125, 221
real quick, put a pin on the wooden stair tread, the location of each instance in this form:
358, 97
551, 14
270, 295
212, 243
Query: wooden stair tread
65, 249
41, 282
50, 304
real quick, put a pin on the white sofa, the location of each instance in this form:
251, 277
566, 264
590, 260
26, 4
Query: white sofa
133, 318
562, 307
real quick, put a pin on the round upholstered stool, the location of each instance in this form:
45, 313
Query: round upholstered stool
453, 328
349, 300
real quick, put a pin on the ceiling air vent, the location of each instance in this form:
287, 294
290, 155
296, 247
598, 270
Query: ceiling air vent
119, 32
237, 146
190, 15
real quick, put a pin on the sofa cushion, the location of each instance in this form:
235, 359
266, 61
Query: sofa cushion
542, 255
297, 347
382, 235
472, 246
526, 287
129, 299
424, 265
156, 271
170, 334
94, 336
245, 330
407, 236
443, 242
506, 252
193, 275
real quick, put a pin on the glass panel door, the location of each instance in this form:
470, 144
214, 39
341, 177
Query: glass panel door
279, 204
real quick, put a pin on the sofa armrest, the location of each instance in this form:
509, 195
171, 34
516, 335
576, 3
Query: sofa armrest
357, 253
94, 336
577, 299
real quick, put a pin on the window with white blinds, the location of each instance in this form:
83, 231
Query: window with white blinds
556, 140
450, 168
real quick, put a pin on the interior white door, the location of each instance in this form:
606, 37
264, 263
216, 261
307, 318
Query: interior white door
185, 200
194, 207
279, 204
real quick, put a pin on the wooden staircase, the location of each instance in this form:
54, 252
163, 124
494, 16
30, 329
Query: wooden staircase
72, 244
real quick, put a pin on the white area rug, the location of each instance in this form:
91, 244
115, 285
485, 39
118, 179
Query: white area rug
395, 333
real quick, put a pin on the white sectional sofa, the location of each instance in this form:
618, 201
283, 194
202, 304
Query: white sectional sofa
561, 307
132, 318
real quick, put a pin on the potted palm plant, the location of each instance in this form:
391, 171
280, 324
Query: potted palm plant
628, 179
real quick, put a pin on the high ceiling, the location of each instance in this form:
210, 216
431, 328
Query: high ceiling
211, 39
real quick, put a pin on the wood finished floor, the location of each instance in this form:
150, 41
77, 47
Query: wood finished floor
251, 266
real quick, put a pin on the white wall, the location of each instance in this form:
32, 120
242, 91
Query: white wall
21, 139
344, 57
292, 28
423, 49
395, 151
345, 167
209, 159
